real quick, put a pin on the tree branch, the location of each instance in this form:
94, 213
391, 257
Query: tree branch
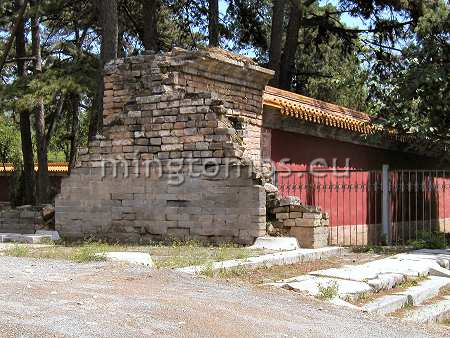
13, 35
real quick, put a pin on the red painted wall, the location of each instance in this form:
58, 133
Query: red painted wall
302, 149
355, 198
4, 188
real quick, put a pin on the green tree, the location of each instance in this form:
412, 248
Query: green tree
410, 87
9, 142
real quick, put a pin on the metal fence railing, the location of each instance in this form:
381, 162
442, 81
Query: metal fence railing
372, 206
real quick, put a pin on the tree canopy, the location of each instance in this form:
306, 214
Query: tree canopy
393, 65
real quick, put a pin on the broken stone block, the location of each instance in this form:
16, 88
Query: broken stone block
135, 258
310, 237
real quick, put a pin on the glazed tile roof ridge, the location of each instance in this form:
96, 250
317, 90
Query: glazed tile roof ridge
287, 97
324, 113
53, 167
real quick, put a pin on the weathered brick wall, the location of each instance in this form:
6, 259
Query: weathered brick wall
204, 107
23, 220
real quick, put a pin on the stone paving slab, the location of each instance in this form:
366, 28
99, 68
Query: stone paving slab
427, 289
417, 263
415, 295
386, 304
384, 274
276, 243
278, 258
312, 285
431, 313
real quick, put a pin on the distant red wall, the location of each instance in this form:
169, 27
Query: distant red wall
303, 149
4, 188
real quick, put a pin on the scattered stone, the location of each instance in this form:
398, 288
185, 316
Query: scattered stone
276, 243
134, 258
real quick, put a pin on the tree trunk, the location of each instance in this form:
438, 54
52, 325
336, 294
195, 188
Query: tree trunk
213, 23
107, 10
276, 37
150, 10
21, 7
25, 127
74, 107
41, 142
290, 45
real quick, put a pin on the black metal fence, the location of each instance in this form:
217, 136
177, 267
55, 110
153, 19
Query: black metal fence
373, 207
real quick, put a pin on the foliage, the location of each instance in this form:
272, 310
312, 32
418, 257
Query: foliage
410, 89
429, 240
9, 141
328, 291
395, 65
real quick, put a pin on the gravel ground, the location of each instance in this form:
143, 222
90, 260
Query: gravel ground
61, 299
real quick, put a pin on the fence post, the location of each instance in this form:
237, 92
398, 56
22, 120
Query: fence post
386, 204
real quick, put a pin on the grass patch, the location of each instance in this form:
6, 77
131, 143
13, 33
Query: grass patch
17, 250
329, 291
173, 254
181, 254
410, 282
380, 249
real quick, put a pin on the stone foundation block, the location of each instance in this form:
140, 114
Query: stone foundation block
310, 237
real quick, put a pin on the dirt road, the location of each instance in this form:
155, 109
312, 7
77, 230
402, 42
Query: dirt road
60, 299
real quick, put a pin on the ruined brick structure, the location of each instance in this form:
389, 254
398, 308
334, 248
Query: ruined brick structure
201, 107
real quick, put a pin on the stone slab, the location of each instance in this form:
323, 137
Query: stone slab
412, 296
312, 285
276, 243
278, 258
19, 238
134, 258
386, 304
425, 290
54, 234
430, 313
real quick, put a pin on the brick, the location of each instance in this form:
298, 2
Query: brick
305, 222
282, 215
295, 215
310, 215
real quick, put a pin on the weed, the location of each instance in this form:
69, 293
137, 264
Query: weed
329, 291
236, 271
208, 271
429, 240
18, 250
410, 282
86, 254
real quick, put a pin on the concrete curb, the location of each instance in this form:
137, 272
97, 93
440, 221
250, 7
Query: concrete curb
279, 258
